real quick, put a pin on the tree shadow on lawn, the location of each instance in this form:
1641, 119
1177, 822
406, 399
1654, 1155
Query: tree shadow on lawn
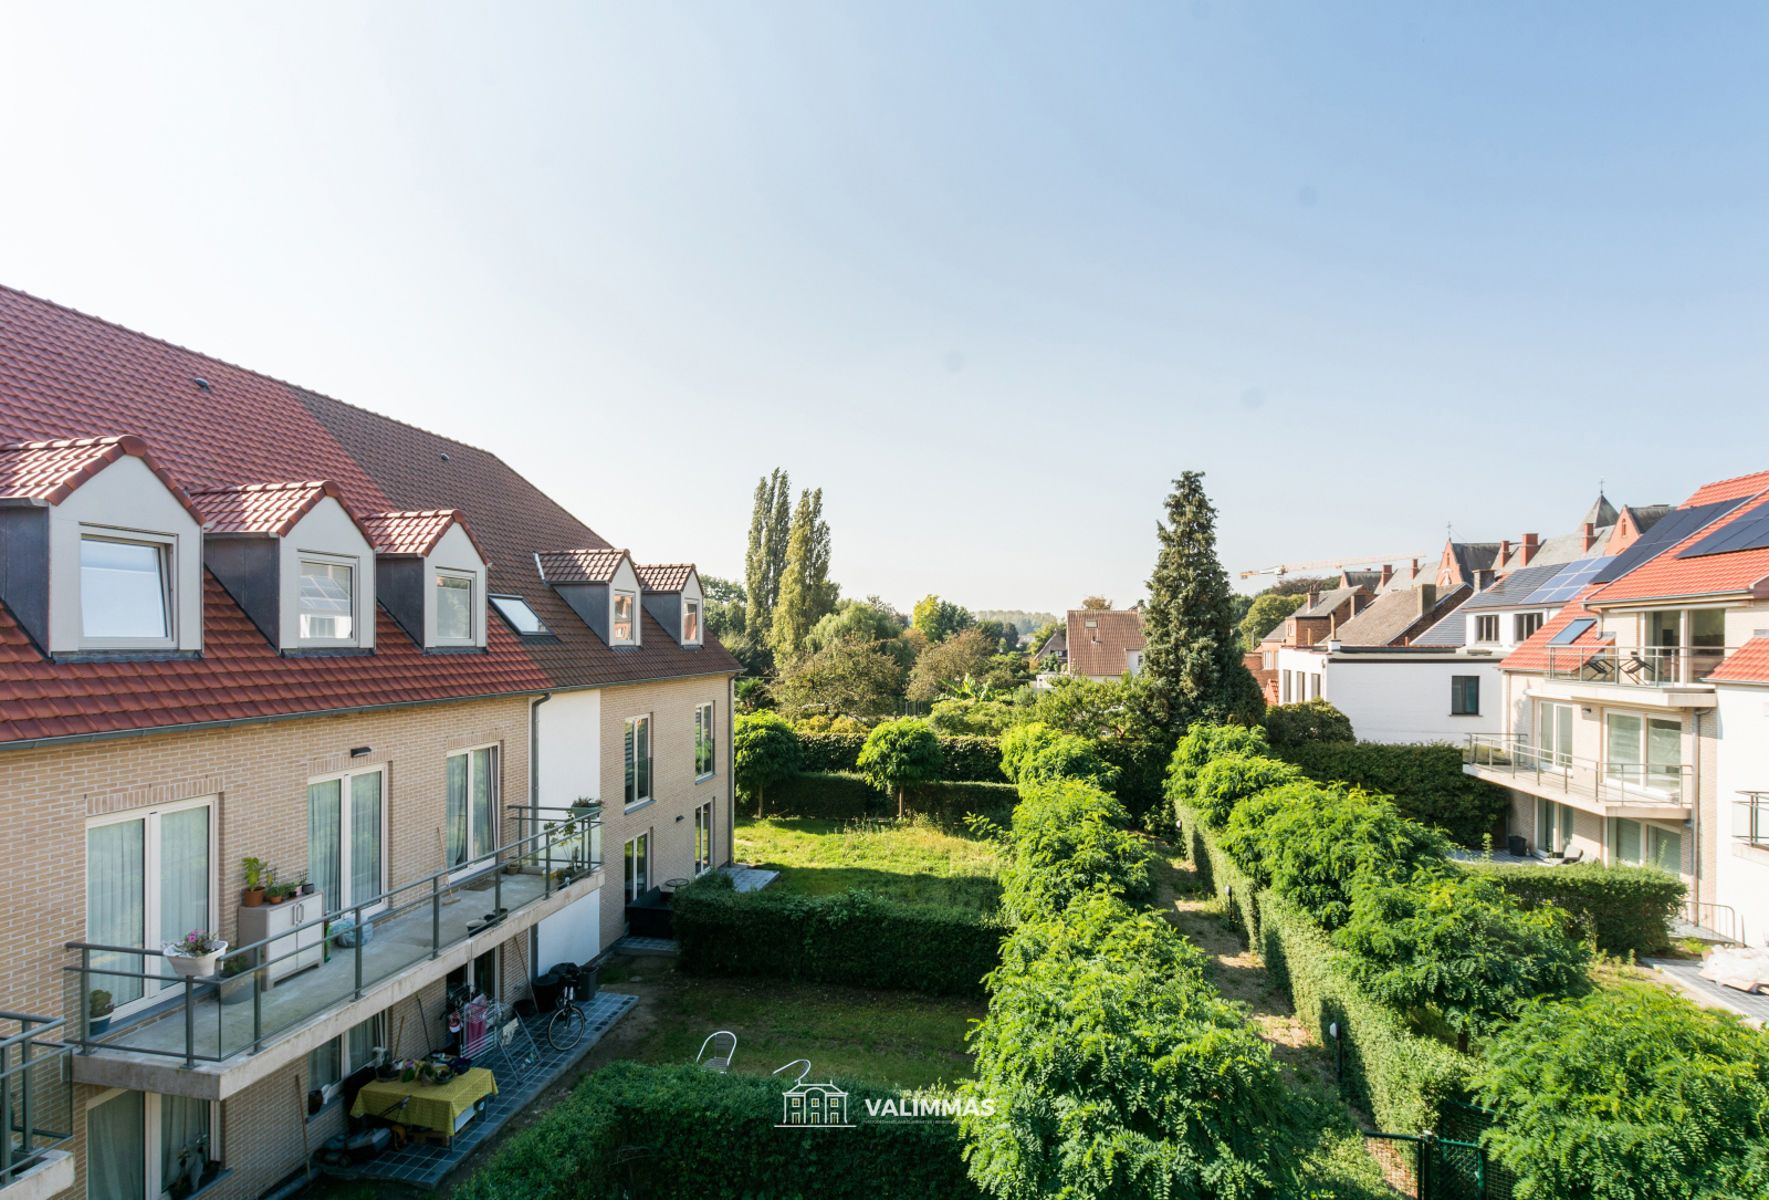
978, 893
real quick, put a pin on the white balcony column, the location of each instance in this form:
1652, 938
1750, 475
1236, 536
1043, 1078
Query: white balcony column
1685, 621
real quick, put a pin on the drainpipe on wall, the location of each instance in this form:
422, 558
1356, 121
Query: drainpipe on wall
730, 768
1695, 827
534, 812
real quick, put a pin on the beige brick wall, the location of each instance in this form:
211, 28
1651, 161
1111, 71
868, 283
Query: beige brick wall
258, 775
677, 793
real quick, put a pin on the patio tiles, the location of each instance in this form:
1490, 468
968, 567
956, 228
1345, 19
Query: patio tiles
425, 1164
750, 879
646, 945
1685, 975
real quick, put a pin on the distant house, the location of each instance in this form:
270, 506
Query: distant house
1103, 643
1054, 653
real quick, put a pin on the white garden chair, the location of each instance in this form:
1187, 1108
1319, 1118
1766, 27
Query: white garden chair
717, 1041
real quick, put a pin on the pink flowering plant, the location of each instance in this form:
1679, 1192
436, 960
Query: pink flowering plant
195, 944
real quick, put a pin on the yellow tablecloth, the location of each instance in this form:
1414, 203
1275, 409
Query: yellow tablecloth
432, 1106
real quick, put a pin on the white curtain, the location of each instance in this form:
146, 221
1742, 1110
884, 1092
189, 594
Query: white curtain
116, 1148
365, 838
457, 810
184, 1124
115, 915
323, 820
485, 817
184, 873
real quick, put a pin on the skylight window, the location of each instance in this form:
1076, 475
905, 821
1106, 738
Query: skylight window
124, 590
1571, 633
523, 619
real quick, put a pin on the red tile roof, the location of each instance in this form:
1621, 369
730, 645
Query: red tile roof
50, 471
1532, 654
210, 426
1748, 664
266, 508
416, 533
1730, 489
1712, 574
579, 566
664, 577
1102, 649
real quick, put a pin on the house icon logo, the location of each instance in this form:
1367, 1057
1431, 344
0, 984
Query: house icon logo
814, 1106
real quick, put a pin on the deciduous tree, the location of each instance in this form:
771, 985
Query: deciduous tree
965, 654
899, 755
938, 619
1266, 613
764, 751
849, 676
806, 592
765, 558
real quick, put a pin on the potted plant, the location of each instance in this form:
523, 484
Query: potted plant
98, 1012
253, 896
237, 982
194, 956
276, 893
304, 886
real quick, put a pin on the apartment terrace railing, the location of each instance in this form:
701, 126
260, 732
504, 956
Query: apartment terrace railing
1637, 666
1750, 818
1646, 785
208, 1019
36, 1097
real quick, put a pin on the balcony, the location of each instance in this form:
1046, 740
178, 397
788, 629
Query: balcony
209, 1038
36, 1109
1750, 819
1657, 676
1609, 789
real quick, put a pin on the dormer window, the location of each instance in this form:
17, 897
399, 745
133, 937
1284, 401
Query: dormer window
623, 618
690, 621
328, 602
125, 591
454, 608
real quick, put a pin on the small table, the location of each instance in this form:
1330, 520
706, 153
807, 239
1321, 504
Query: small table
442, 1109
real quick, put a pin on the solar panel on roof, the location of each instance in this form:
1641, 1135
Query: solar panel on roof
1572, 579
1571, 633
1673, 527
1749, 532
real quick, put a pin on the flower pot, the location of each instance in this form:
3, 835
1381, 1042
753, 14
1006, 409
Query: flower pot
277, 899
97, 1025
252, 897
193, 966
307, 889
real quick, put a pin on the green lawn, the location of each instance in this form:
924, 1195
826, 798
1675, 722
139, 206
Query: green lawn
892, 1040
916, 861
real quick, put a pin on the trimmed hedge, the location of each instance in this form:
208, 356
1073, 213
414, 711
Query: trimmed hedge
1402, 1078
1623, 909
1426, 781
839, 795
1070, 838
963, 759
712, 1137
853, 938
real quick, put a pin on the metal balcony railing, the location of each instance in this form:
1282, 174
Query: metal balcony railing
36, 1097
1750, 818
1637, 666
1610, 783
363, 944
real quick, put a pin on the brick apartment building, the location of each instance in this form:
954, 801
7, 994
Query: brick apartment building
242, 620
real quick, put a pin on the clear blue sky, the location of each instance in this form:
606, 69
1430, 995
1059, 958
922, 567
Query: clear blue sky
991, 274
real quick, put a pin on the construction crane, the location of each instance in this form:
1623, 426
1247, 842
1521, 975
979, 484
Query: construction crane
1283, 569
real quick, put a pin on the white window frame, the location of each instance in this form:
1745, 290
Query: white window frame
471, 579
1557, 754
167, 545
699, 611
632, 888
616, 595
1456, 680
630, 796
495, 797
703, 838
1525, 624
150, 1136
337, 903
703, 727
152, 992
346, 1067
354, 566
1484, 622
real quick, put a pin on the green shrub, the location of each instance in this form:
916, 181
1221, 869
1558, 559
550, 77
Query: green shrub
963, 758
1203, 743
1108, 1066
852, 938
1307, 721
1625, 910
1425, 780
712, 1136
838, 796
900, 755
1630, 1094
1067, 839
1122, 719
764, 751
1316, 845
829, 751
1455, 950
1228, 779
1020, 743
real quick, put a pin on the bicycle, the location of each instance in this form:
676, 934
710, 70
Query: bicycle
566, 1029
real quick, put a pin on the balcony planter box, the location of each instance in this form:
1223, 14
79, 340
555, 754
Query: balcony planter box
193, 966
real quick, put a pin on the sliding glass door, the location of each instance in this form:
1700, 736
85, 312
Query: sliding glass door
472, 816
149, 880
346, 830
1644, 752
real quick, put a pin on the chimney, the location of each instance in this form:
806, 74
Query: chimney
1504, 550
1427, 593
1314, 597
1387, 574
1483, 579
1415, 568
1531, 543
1590, 535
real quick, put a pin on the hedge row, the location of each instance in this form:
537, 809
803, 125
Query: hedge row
1623, 909
853, 938
965, 758
1401, 1077
839, 795
702, 1135
1425, 780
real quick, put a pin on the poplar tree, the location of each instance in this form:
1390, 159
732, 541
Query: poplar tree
1192, 664
766, 554
806, 592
